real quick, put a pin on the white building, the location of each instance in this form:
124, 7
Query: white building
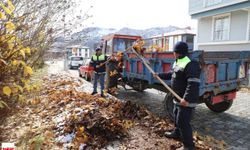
222, 24
78, 50
167, 40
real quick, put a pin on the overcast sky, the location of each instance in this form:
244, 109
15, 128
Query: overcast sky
138, 14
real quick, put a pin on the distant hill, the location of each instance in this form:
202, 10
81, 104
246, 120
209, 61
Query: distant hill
147, 32
91, 36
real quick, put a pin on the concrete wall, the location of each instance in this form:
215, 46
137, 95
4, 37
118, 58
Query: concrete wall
225, 47
238, 35
238, 25
204, 30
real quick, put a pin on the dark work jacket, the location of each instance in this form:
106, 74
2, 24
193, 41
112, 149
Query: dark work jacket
185, 81
99, 59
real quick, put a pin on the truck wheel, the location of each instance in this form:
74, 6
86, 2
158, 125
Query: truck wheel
138, 88
88, 78
85, 76
169, 106
219, 107
80, 75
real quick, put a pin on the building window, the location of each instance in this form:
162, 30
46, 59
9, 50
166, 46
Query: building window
221, 28
109, 47
158, 42
80, 52
86, 53
211, 2
166, 45
177, 38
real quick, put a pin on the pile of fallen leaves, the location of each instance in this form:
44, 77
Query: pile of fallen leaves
62, 116
83, 120
80, 119
94, 121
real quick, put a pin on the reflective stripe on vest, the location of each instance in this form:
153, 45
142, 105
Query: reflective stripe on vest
101, 57
182, 63
194, 80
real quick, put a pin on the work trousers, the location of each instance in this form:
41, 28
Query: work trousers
100, 77
182, 118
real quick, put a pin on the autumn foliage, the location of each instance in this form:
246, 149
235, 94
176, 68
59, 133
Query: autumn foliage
14, 55
24, 39
27, 30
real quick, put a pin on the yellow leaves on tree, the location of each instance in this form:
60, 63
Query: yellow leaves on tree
27, 71
27, 50
21, 98
22, 52
13, 89
18, 62
20, 88
2, 15
15, 62
9, 9
10, 26
7, 90
10, 5
16, 88
15, 54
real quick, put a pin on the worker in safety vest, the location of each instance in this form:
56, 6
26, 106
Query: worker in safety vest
185, 81
98, 62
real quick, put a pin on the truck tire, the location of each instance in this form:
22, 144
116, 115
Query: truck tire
88, 78
80, 75
138, 87
169, 106
219, 107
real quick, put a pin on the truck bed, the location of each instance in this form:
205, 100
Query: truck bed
221, 71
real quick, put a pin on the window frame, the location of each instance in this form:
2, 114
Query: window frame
248, 27
213, 26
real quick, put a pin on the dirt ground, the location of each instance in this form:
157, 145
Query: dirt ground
63, 116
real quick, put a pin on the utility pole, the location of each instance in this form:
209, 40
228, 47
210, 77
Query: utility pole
65, 50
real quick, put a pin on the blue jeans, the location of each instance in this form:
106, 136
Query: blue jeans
101, 77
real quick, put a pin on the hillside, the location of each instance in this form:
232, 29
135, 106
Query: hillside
92, 35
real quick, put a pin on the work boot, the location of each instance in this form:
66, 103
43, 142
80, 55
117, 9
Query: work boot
185, 148
102, 95
93, 93
173, 135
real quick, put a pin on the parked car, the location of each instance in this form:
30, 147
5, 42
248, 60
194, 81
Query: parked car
86, 70
75, 61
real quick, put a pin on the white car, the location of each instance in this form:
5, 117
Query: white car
75, 61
